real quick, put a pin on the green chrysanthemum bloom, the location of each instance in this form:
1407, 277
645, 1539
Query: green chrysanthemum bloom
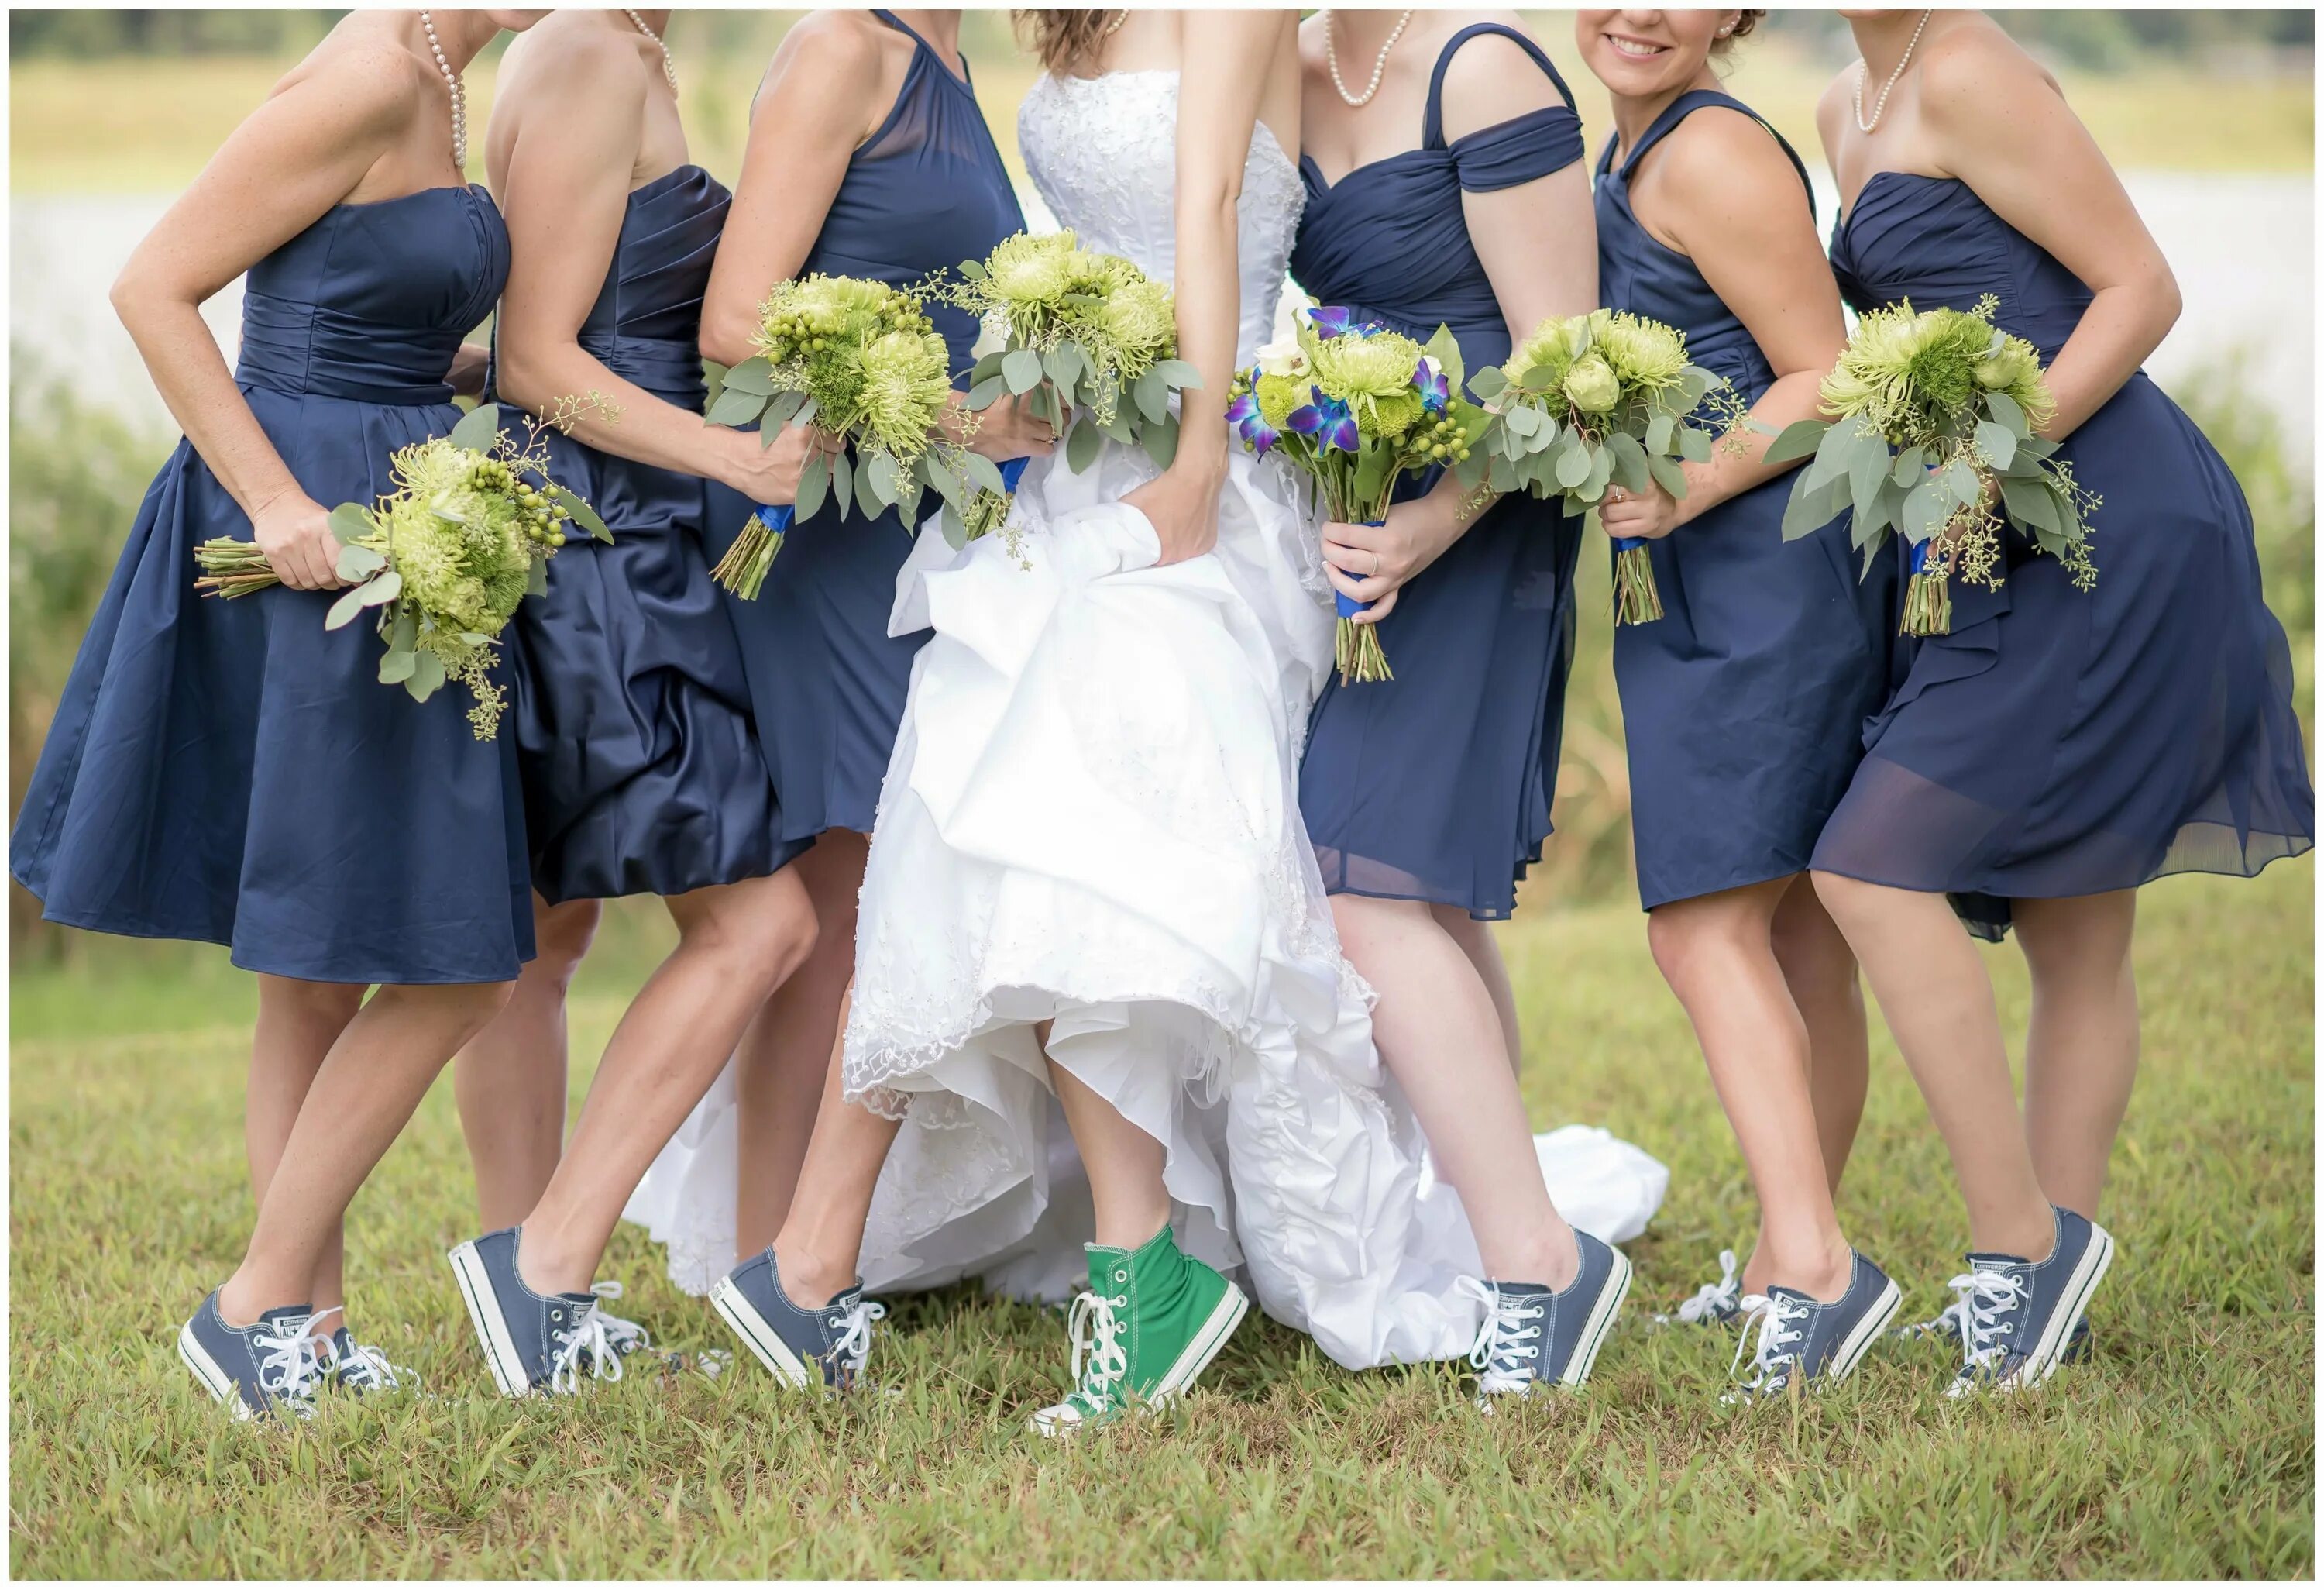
1397, 414
1591, 386
904, 390
2016, 369
1551, 346
1362, 369
1139, 322
1644, 354
1277, 396
1025, 268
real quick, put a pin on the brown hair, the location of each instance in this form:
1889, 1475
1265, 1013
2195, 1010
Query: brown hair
1067, 41
1745, 21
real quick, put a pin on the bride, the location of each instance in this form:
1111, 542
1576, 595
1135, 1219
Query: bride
1097, 985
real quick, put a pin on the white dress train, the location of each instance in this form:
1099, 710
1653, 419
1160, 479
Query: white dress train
1090, 818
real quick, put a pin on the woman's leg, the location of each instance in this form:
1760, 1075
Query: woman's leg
819, 1248
2081, 1049
1439, 1032
298, 1023
735, 942
1124, 1164
375, 1074
1718, 954
786, 1058
510, 1080
1933, 988
1484, 952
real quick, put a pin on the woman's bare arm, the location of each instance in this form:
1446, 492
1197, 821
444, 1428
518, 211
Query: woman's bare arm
294, 158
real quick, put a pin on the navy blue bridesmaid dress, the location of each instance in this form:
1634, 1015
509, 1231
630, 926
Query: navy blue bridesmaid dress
1743, 705
230, 771
2060, 742
927, 191
1437, 785
642, 765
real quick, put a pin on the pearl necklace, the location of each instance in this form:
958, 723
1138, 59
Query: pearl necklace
1379, 67
1903, 61
668, 71
1114, 26
459, 94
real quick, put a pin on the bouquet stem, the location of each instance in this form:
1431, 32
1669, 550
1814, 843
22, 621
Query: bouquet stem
743, 569
1637, 599
1928, 597
231, 568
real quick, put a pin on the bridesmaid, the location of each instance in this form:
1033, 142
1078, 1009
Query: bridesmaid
1743, 704
1428, 796
868, 157
2060, 747
639, 762
230, 771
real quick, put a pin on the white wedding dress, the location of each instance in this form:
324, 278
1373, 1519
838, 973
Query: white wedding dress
1090, 818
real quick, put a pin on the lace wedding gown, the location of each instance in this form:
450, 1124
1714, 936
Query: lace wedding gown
1091, 820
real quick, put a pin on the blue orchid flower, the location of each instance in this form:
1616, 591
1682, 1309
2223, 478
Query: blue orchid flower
1327, 420
1330, 320
1435, 391
1250, 423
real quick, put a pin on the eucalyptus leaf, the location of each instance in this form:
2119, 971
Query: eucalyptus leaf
1659, 433
359, 563
985, 474
1833, 454
426, 675
753, 374
1489, 383
1926, 508
1180, 375
1909, 464
351, 522
2030, 504
1629, 462
343, 611
1802, 439
1668, 475
2007, 413
868, 495
1574, 463
1063, 364
381, 589
581, 513
815, 480
1020, 368
843, 483
973, 269
479, 428
735, 407
1811, 508
1966, 485
1160, 440
1693, 445
395, 666
986, 392
536, 577
1997, 442
1868, 472
948, 486
1152, 397
1083, 444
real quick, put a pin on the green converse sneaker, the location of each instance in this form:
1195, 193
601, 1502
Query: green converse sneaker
1151, 1321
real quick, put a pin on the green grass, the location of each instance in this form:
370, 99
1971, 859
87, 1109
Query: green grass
2185, 1448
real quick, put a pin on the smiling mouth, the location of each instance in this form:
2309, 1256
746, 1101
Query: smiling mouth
1635, 48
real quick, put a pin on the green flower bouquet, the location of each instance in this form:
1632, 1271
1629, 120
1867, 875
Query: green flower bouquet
1086, 339
862, 361
1596, 401
442, 560
1934, 440
1355, 407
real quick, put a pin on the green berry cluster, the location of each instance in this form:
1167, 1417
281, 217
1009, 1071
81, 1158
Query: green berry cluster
1442, 441
540, 518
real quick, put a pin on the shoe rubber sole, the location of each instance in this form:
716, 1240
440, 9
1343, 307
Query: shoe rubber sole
205, 1369
492, 1327
769, 1349
1577, 1368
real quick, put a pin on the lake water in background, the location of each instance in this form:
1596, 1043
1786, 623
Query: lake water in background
2243, 248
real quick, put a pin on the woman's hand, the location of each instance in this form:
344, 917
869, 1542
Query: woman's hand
1640, 516
1368, 562
1182, 503
1008, 429
294, 531
467, 373
769, 474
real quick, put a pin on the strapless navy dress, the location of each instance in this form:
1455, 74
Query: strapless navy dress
2060, 742
927, 191
230, 771
1437, 785
1743, 705
641, 766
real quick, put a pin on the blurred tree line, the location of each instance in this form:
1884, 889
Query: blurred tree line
2091, 41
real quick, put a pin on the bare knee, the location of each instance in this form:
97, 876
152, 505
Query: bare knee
561, 937
1716, 929
324, 1005
763, 930
1812, 950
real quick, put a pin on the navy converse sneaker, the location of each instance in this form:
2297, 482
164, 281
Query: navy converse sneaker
532, 1343
254, 1369
1715, 1302
825, 1346
1532, 1336
1802, 1340
352, 1365
2021, 1315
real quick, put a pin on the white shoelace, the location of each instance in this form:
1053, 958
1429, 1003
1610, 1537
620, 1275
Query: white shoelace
1951, 1320
1782, 1322
854, 1346
1508, 1339
626, 1334
586, 1339
288, 1369
1712, 1298
1100, 1359
363, 1366
1987, 1299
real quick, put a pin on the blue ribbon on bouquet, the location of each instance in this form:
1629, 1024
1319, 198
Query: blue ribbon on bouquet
1347, 605
777, 517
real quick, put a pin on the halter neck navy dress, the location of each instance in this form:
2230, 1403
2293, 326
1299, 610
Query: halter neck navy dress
1743, 705
2061, 742
1436, 785
927, 191
642, 765
232, 772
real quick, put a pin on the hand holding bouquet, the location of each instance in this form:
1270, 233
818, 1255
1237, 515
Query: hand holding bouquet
1596, 401
1934, 440
1086, 339
1355, 407
860, 361
444, 558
